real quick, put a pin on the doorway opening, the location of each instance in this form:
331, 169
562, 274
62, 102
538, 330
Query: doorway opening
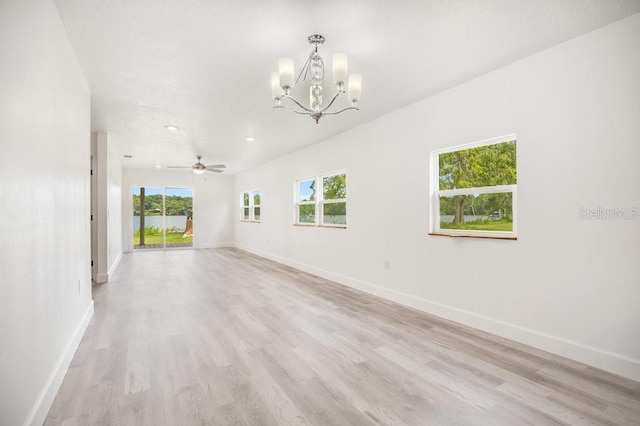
162, 217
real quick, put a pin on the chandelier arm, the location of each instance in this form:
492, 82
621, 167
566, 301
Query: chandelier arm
298, 103
331, 103
292, 110
342, 110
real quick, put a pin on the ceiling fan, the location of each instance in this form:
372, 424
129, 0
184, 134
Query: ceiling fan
199, 168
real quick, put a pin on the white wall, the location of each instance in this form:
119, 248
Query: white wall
114, 208
45, 283
567, 285
107, 217
100, 150
212, 203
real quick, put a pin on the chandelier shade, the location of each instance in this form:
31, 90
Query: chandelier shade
340, 73
313, 72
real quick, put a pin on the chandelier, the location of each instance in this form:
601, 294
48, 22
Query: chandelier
313, 71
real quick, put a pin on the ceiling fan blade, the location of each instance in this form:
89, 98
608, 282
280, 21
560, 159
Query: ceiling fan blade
179, 167
217, 166
214, 170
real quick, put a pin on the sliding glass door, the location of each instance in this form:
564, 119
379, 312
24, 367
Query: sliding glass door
178, 217
162, 217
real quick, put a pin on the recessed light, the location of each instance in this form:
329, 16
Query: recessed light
171, 127
158, 166
249, 139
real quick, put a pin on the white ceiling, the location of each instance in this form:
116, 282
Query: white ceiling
204, 65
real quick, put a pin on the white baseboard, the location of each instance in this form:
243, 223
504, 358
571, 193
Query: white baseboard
214, 245
114, 265
45, 399
599, 358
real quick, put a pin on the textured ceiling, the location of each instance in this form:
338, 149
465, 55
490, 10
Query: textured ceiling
204, 65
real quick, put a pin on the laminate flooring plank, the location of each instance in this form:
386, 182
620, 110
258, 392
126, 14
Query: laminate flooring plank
333, 379
137, 370
323, 405
607, 392
217, 390
556, 410
456, 384
223, 337
513, 414
95, 406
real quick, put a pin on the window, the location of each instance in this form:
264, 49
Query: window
246, 210
474, 189
334, 200
326, 206
251, 206
306, 202
256, 205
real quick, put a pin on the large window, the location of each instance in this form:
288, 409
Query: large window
250, 209
474, 189
322, 200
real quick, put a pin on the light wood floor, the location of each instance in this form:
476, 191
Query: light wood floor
218, 336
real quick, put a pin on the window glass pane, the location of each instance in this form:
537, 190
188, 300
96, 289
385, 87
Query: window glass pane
179, 217
307, 190
245, 214
256, 198
334, 213
245, 197
256, 213
334, 187
483, 212
488, 165
307, 213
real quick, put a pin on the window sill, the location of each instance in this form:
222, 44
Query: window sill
490, 237
250, 221
312, 225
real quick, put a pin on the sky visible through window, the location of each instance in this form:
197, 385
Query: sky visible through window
154, 190
305, 190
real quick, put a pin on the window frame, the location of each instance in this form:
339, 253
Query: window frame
244, 207
319, 201
251, 206
254, 205
297, 203
436, 193
322, 201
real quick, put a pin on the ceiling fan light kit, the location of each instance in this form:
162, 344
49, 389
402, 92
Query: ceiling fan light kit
313, 71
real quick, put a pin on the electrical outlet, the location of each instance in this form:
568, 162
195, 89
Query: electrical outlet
387, 264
